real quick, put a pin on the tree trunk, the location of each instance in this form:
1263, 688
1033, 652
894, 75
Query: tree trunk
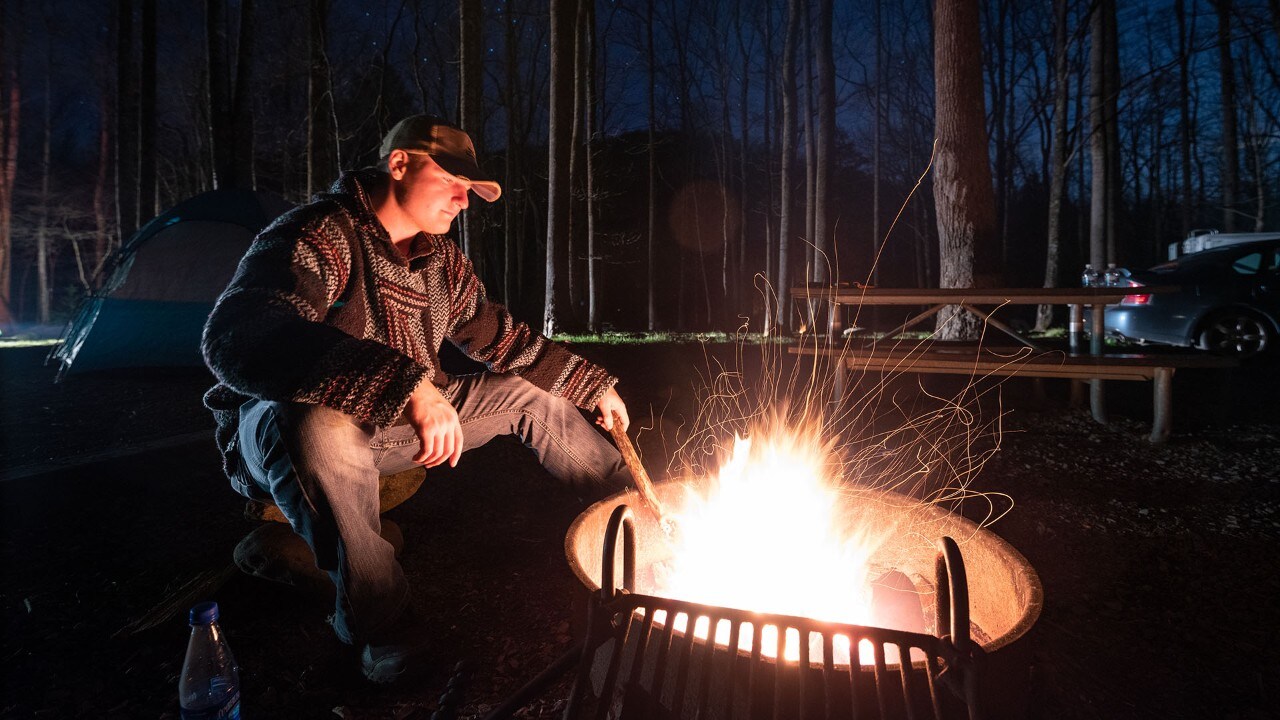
810, 151
873, 274
322, 157
221, 133
1111, 121
1230, 138
471, 103
1099, 160
1254, 142
577, 171
242, 150
43, 290
589, 130
744, 146
148, 202
968, 249
102, 245
652, 193
126, 123
511, 207
769, 118
823, 235
10, 115
559, 123
1058, 165
1184, 116
788, 143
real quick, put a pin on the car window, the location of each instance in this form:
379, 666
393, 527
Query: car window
1248, 264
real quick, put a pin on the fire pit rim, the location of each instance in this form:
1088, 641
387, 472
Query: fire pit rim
1033, 602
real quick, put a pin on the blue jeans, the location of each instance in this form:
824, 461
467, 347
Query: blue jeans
321, 467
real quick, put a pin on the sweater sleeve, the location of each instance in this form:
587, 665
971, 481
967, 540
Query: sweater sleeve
266, 337
487, 332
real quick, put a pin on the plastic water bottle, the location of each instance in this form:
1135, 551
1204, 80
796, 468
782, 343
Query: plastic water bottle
210, 684
1090, 278
1111, 278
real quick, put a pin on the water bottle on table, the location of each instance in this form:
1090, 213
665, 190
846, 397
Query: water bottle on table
210, 684
1090, 278
1111, 278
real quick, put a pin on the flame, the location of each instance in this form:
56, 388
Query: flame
767, 535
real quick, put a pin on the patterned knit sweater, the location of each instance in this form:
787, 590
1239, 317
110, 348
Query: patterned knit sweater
324, 309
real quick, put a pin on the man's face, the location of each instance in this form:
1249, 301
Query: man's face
430, 197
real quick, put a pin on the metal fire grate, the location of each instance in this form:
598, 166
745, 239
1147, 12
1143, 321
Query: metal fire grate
638, 662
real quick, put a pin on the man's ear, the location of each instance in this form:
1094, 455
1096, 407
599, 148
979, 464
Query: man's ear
397, 163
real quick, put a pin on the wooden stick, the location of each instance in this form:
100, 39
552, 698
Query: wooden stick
629, 456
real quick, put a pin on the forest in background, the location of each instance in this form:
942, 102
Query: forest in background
664, 162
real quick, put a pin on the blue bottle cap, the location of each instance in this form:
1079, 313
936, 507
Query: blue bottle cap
204, 613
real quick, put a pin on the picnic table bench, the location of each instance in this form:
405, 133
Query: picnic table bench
984, 362
1029, 360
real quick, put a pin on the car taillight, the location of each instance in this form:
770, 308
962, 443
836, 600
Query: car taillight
1136, 299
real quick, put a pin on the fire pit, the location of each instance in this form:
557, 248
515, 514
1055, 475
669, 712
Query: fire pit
1003, 600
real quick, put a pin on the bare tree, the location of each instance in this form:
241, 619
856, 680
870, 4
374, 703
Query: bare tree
102, 244
876, 128
147, 196
512, 218
43, 251
823, 232
471, 103
323, 159
1184, 115
221, 133
651, 199
127, 113
1230, 133
962, 191
788, 142
587, 65
242, 122
559, 128
10, 116
1101, 152
1058, 164
809, 109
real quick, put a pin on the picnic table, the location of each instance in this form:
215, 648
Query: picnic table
1034, 360
982, 302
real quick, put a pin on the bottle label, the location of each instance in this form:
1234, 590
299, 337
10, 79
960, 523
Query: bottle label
229, 709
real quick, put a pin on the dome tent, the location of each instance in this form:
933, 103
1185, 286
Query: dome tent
163, 282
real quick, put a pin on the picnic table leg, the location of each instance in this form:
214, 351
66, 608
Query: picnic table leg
1075, 326
835, 328
1162, 418
1097, 391
1097, 339
1076, 399
1098, 401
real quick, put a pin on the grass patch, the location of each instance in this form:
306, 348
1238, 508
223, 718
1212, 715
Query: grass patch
19, 342
649, 338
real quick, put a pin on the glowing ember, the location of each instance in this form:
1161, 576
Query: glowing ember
768, 535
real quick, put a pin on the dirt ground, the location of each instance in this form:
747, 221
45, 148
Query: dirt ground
1159, 563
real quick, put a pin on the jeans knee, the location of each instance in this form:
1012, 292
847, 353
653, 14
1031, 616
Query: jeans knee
317, 434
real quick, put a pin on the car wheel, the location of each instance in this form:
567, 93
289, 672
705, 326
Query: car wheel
1236, 332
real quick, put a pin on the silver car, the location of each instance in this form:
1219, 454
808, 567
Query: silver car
1228, 301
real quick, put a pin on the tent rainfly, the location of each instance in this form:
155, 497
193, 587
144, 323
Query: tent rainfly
163, 282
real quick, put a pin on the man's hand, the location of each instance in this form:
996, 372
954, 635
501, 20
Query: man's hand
436, 423
610, 403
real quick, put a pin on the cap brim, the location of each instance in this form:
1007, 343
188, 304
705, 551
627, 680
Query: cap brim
484, 186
